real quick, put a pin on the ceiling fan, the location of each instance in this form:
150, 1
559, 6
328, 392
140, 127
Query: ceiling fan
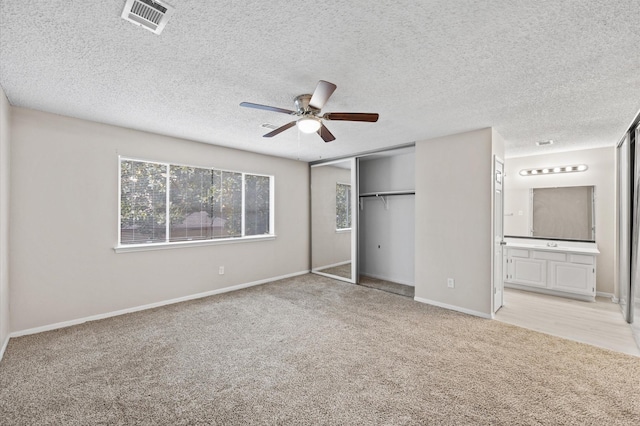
308, 112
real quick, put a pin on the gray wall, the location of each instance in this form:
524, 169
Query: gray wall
601, 174
454, 220
4, 219
64, 222
388, 173
387, 236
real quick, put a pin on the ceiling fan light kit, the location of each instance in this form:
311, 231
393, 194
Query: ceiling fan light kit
308, 124
308, 110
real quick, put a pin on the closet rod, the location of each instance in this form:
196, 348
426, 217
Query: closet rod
387, 193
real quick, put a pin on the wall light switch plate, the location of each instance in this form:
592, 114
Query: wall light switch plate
450, 283
221, 270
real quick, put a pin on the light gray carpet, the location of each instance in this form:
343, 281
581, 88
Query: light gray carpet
311, 350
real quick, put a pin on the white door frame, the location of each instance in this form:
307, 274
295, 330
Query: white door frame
497, 232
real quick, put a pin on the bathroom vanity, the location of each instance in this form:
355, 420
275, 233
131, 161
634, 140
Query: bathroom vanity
556, 267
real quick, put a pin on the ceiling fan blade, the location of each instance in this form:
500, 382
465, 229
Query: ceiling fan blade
351, 116
325, 134
266, 107
323, 91
280, 129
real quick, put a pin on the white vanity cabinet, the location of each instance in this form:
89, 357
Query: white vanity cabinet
560, 270
523, 269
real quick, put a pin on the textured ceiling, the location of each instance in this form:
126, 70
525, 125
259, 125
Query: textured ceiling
533, 70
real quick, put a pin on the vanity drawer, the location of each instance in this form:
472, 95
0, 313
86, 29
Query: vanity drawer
549, 255
581, 258
518, 253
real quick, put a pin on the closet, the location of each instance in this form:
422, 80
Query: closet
628, 225
386, 243
363, 219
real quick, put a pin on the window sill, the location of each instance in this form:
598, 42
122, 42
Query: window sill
343, 231
125, 248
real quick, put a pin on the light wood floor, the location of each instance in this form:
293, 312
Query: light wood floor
597, 323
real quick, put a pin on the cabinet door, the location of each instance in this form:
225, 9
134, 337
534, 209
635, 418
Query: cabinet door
524, 271
572, 277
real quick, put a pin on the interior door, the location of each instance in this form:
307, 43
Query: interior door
498, 234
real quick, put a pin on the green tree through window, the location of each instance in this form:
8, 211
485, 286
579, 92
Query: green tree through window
343, 206
257, 205
143, 188
203, 203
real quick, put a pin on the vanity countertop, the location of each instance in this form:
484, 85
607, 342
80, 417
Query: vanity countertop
557, 246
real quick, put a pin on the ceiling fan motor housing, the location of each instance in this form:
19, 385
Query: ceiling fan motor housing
303, 107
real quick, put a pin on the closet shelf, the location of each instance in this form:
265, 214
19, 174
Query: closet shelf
383, 196
387, 193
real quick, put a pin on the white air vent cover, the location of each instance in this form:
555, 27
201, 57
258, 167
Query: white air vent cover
150, 14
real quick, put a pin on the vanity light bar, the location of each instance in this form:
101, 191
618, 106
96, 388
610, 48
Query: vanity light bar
553, 170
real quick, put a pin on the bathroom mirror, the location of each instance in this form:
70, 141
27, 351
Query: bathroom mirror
333, 219
566, 213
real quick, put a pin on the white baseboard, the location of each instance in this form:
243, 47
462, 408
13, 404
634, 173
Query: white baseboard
4, 347
532, 289
453, 308
613, 298
149, 306
390, 279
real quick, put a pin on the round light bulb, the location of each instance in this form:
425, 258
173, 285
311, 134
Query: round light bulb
308, 124
557, 170
534, 172
569, 169
545, 170
582, 168
523, 172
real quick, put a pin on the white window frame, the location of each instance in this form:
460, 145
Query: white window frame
123, 248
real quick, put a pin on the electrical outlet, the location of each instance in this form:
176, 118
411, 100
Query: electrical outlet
221, 270
451, 283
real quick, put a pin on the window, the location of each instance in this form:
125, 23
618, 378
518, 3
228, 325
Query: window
343, 206
257, 204
163, 203
143, 201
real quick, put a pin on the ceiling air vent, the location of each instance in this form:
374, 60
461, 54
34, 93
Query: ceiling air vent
149, 14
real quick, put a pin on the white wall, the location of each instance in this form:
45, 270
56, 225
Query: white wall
64, 190
387, 235
4, 219
601, 174
330, 247
454, 220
